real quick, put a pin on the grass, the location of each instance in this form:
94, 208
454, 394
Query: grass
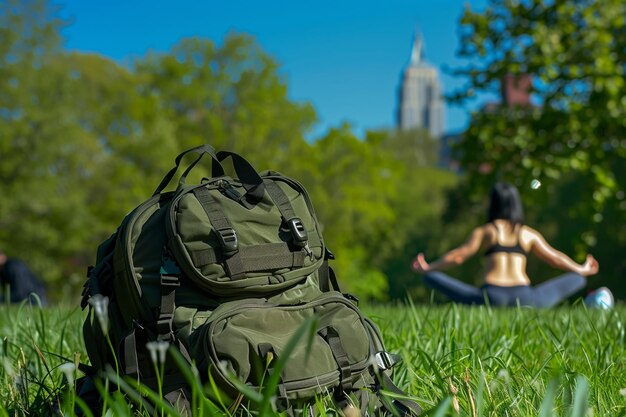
512, 362
482, 361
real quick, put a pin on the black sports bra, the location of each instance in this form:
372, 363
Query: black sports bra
517, 248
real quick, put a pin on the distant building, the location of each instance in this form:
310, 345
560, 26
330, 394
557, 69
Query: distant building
420, 102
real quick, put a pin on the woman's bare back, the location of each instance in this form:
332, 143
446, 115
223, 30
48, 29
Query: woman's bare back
505, 268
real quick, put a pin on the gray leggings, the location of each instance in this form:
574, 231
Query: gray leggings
546, 294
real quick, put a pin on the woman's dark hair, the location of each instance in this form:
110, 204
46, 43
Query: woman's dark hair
505, 203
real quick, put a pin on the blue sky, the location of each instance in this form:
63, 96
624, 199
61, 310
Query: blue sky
345, 57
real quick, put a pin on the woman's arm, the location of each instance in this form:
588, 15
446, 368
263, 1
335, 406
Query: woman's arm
558, 259
455, 257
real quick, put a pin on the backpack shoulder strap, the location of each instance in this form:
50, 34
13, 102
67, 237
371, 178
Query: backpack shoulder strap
402, 406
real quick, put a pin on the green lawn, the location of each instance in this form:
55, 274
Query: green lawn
506, 362
513, 362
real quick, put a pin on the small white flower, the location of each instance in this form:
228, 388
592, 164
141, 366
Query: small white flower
157, 349
68, 369
100, 306
623, 392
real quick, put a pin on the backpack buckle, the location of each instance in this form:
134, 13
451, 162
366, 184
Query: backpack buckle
228, 240
170, 281
164, 325
298, 232
386, 360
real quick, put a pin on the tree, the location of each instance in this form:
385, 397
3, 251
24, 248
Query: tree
79, 146
352, 198
30, 121
232, 97
415, 147
417, 204
378, 205
574, 133
85, 140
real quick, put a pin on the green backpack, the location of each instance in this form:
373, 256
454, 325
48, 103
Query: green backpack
226, 272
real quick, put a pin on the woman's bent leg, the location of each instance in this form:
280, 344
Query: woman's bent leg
454, 289
555, 290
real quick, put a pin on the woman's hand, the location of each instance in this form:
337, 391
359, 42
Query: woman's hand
420, 265
590, 267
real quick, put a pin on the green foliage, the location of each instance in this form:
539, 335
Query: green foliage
572, 139
379, 200
352, 198
417, 205
413, 148
85, 140
231, 97
80, 147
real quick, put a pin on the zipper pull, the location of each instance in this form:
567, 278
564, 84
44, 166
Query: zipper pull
229, 191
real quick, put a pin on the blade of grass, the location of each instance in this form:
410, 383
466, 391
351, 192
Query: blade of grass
581, 395
307, 328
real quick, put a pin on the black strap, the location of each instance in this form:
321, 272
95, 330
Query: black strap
265, 257
131, 361
294, 223
249, 177
280, 199
405, 406
327, 278
332, 338
216, 171
169, 283
99, 280
283, 405
326, 275
183, 351
201, 150
180, 399
264, 349
87, 369
225, 232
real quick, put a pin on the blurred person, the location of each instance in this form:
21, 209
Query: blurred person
20, 281
507, 241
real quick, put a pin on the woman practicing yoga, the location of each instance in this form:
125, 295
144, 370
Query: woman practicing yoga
507, 242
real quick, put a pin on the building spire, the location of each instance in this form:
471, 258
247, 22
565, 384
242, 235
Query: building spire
417, 50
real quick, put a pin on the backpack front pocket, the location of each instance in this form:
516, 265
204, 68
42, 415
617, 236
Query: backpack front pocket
229, 249
244, 341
